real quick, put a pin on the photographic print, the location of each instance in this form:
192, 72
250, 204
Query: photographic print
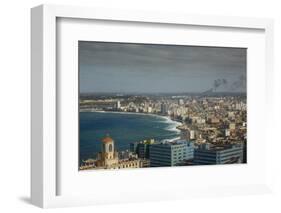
155, 105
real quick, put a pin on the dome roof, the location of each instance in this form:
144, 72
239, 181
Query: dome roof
107, 139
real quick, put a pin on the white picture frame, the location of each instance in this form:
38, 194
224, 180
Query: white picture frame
44, 154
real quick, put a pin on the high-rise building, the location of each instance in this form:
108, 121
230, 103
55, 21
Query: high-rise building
142, 149
164, 109
134, 147
118, 105
171, 153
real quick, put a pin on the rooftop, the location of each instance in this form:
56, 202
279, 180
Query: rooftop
107, 139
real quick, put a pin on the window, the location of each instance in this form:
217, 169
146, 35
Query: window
110, 147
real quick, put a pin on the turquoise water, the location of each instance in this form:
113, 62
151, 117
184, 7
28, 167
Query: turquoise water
124, 128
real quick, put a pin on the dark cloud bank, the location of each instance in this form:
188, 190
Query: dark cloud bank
150, 68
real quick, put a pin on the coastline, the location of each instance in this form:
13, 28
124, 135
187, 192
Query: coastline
161, 123
174, 124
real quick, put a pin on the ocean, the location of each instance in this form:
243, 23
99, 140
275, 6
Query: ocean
124, 128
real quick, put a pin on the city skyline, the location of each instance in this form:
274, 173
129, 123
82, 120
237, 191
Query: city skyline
106, 67
150, 105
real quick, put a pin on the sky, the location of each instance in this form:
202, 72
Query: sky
153, 68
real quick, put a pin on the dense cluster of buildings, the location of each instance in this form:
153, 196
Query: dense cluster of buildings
182, 152
213, 131
151, 153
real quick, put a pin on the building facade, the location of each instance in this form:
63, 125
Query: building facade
142, 149
164, 108
170, 153
108, 157
207, 154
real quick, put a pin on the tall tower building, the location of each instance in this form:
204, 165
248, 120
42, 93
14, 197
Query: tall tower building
118, 105
108, 157
164, 108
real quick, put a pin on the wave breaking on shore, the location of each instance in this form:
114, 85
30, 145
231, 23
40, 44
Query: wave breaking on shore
172, 124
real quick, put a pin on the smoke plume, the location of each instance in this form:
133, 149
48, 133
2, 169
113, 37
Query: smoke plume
219, 82
239, 84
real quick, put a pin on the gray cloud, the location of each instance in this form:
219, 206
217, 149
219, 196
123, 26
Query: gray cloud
122, 67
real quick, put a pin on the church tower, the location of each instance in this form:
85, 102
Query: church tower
108, 147
109, 158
